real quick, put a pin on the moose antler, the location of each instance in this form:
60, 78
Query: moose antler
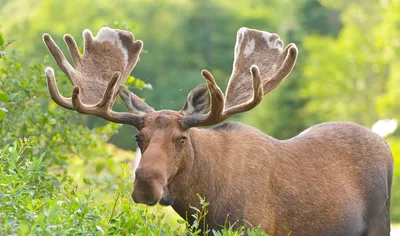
107, 61
259, 66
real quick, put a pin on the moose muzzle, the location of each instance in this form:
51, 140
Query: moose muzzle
149, 185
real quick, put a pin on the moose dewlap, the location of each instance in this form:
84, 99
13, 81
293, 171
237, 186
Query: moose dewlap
334, 179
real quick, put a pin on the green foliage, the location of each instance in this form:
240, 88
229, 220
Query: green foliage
200, 215
4, 44
357, 81
32, 115
36, 202
394, 143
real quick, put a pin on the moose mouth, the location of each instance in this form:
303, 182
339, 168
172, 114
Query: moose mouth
166, 199
143, 197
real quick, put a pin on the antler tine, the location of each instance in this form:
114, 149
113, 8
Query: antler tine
217, 113
216, 105
258, 94
290, 53
258, 56
54, 93
59, 57
103, 108
88, 37
63, 63
73, 49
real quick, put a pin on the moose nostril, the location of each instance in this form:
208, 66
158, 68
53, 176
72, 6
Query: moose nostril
147, 193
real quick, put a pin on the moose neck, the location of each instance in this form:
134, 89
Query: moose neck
213, 174
198, 176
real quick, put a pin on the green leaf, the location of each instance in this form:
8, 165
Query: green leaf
180, 221
2, 115
1, 39
100, 229
3, 97
92, 216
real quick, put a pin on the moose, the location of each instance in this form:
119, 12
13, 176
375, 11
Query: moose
332, 179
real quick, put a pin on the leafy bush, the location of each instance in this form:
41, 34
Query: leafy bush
35, 201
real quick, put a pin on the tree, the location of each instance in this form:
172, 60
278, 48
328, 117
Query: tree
355, 77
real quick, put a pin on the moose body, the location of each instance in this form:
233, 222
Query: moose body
332, 179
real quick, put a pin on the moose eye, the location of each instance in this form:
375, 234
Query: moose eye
182, 140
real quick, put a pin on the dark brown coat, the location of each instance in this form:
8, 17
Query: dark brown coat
333, 179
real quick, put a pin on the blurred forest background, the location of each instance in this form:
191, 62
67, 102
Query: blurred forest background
348, 70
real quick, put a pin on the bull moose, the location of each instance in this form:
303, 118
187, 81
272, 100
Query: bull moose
332, 179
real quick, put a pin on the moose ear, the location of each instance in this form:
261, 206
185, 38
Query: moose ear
197, 101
